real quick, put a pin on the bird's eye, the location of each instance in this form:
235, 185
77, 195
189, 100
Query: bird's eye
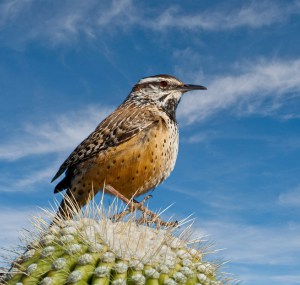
163, 84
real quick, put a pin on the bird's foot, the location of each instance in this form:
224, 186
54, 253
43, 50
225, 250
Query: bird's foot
148, 217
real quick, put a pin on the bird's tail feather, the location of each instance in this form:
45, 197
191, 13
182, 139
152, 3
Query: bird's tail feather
68, 208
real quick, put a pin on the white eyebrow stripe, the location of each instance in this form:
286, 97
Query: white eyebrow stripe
156, 79
151, 79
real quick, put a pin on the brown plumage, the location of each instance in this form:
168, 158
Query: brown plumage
134, 149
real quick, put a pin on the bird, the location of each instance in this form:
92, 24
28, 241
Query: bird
133, 150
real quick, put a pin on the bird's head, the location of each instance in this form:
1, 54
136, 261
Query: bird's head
163, 91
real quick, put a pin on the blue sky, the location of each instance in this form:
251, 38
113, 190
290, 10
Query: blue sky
64, 65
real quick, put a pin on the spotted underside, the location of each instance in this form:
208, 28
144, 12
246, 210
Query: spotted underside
132, 168
136, 155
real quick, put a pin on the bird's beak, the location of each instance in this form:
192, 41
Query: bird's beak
190, 87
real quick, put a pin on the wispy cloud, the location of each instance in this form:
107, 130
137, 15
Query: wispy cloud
253, 15
277, 277
10, 10
288, 278
277, 143
68, 21
263, 245
290, 198
12, 221
246, 91
254, 245
27, 181
57, 135
62, 23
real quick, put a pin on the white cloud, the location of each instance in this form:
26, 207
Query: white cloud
253, 15
12, 221
27, 180
69, 21
88, 18
250, 244
290, 198
64, 22
246, 91
34, 178
276, 143
286, 279
119, 13
10, 10
278, 277
57, 135
250, 247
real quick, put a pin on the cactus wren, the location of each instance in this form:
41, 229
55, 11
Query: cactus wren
133, 150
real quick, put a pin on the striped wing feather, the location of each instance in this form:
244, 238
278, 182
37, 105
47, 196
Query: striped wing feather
120, 126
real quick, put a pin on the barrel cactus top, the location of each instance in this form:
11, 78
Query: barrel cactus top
100, 251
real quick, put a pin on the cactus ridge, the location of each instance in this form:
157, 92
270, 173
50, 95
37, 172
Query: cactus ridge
99, 251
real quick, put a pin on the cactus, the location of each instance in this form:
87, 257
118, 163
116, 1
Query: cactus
96, 250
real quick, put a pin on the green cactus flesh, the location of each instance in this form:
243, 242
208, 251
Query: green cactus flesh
103, 252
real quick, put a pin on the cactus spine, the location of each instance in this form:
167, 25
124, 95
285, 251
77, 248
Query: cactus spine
100, 251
